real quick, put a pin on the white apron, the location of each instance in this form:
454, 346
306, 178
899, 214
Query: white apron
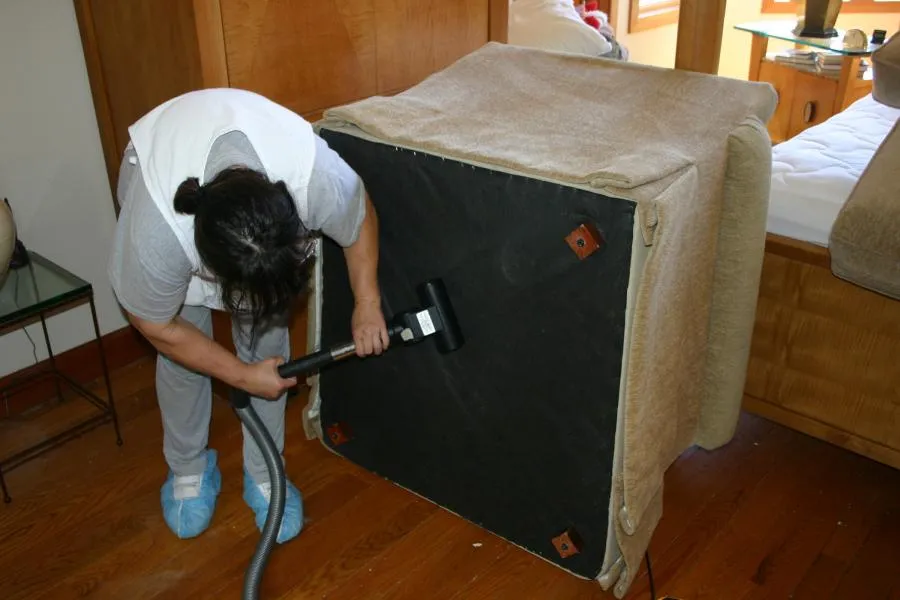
173, 141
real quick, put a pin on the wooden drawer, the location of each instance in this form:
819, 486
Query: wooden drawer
812, 103
804, 99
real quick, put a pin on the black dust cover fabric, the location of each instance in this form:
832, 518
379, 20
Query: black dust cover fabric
514, 431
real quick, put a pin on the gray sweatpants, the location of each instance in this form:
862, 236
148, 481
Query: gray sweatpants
185, 400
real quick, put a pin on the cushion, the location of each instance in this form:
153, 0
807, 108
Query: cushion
865, 239
886, 72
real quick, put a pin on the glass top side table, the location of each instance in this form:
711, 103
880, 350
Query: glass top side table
38, 290
807, 94
783, 30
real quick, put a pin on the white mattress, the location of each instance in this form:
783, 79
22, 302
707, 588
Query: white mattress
814, 172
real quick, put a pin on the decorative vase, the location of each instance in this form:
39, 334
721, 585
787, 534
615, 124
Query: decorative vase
7, 239
818, 18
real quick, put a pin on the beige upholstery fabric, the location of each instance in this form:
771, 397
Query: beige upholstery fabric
865, 239
886, 72
691, 150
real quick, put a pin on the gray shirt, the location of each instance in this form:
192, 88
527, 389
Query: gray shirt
149, 270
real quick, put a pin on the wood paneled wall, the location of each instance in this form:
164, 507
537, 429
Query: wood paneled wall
305, 54
138, 54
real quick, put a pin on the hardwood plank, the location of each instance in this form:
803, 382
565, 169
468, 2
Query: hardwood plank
39, 511
690, 526
407, 556
462, 553
819, 514
773, 514
315, 548
354, 557
83, 514
123, 571
873, 573
849, 534
224, 551
515, 575
740, 544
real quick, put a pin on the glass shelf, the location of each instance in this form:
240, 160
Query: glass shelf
782, 30
36, 287
33, 290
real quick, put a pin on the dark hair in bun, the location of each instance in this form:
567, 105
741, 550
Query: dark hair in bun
188, 196
249, 234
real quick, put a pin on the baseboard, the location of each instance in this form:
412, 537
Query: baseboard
821, 430
121, 348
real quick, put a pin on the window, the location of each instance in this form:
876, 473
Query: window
849, 6
647, 14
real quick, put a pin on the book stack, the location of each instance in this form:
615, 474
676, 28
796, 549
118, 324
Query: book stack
829, 63
821, 62
802, 59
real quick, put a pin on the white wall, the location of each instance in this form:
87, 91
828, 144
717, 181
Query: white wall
51, 165
652, 47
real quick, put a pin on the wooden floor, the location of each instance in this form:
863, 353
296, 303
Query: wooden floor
773, 515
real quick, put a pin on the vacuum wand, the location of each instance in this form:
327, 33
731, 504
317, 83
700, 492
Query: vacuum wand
316, 360
435, 318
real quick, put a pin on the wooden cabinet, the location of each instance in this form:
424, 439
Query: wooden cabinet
307, 55
804, 99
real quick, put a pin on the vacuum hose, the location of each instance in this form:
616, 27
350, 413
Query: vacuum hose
240, 400
435, 318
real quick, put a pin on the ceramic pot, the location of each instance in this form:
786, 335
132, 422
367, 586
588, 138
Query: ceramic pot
7, 239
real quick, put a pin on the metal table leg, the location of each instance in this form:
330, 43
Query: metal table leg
109, 392
6, 497
51, 358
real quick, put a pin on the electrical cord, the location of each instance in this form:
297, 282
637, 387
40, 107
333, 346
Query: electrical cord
650, 576
24, 329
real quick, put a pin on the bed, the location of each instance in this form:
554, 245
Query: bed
824, 354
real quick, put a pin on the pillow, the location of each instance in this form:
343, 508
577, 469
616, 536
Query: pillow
865, 240
886, 72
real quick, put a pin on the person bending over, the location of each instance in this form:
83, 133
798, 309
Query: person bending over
222, 192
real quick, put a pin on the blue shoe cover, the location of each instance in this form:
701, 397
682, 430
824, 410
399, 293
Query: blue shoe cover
256, 497
188, 502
